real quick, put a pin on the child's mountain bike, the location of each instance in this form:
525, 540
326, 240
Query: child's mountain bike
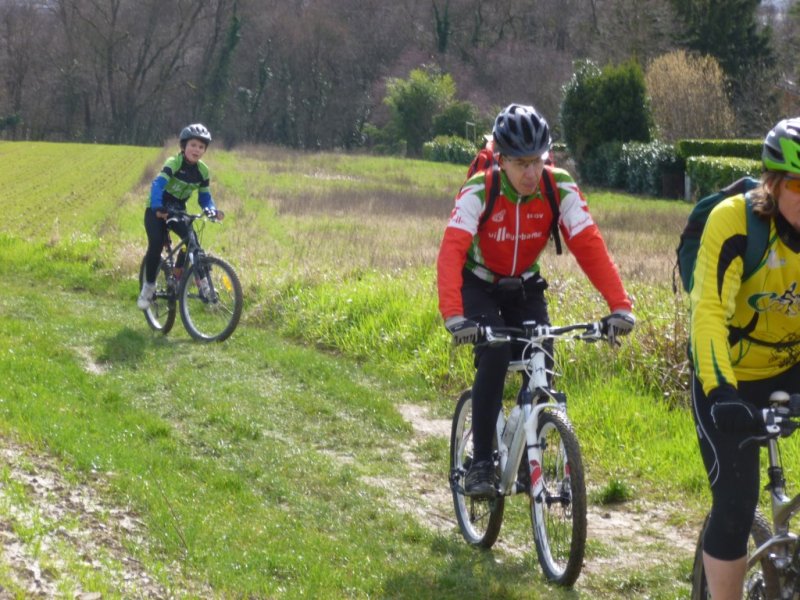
206, 288
551, 474
773, 559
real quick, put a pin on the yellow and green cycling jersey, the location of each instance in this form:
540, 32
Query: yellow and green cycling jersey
744, 330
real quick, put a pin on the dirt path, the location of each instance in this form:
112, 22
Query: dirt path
634, 528
55, 532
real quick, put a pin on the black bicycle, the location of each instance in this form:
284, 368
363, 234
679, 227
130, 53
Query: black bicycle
207, 289
773, 559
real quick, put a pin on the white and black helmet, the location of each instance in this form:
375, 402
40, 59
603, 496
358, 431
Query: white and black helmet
521, 131
195, 131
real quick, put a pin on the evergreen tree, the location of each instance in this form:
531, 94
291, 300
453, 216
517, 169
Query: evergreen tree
728, 31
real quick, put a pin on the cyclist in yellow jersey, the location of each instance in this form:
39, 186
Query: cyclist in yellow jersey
745, 344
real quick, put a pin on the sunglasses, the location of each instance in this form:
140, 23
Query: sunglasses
792, 184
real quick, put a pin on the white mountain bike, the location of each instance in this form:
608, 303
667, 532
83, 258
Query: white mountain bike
552, 475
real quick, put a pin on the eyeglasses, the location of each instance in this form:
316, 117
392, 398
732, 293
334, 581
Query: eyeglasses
524, 163
792, 184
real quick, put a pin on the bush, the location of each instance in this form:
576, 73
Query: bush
415, 101
449, 148
601, 167
688, 97
641, 168
711, 173
604, 106
646, 166
735, 148
383, 141
454, 118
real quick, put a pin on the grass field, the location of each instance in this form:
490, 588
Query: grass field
279, 464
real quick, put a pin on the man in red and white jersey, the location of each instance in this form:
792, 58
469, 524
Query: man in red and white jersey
488, 270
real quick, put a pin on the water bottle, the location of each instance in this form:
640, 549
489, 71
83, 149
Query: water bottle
511, 425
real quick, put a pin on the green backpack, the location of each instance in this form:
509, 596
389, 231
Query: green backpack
757, 232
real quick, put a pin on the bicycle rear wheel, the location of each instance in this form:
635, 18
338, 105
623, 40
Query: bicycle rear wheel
210, 314
478, 518
160, 315
760, 582
558, 512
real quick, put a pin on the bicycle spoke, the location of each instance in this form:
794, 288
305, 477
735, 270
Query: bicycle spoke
211, 300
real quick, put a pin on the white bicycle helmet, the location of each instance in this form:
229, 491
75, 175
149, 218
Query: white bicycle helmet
195, 131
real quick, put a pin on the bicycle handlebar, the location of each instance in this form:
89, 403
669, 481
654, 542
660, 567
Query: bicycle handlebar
531, 332
781, 419
176, 215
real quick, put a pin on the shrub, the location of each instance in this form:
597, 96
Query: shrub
415, 101
604, 106
736, 148
601, 167
688, 97
454, 117
647, 165
449, 148
712, 173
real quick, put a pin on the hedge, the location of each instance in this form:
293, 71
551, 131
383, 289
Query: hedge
711, 173
750, 149
449, 148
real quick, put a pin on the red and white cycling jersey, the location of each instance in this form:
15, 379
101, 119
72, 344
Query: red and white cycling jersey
509, 242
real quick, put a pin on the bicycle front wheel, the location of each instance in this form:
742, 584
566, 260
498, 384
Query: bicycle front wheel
478, 518
211, 299
558, 512
760, 582
160, 315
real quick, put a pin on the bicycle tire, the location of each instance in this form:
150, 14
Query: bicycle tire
211, 319
479, 519
160, 315
558, 512
761, 582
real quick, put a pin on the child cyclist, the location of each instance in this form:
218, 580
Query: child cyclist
181, 175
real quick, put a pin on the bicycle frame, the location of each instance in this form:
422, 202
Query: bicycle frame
190, 242
783, 508
538, 398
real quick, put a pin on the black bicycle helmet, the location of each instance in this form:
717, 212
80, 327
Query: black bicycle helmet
782, 147
195, 131
521, 131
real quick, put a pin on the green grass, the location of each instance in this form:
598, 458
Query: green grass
277, 463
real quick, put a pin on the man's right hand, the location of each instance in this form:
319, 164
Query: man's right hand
732, 414
464, 331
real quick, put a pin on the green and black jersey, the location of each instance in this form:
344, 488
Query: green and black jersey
178, 180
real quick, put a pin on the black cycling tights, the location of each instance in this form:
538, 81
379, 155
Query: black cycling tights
733, 472
488, 305
156, 236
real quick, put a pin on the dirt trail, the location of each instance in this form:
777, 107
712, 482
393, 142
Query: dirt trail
635, 528
52, 529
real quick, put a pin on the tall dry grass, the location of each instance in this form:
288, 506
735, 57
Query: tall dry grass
318, 235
